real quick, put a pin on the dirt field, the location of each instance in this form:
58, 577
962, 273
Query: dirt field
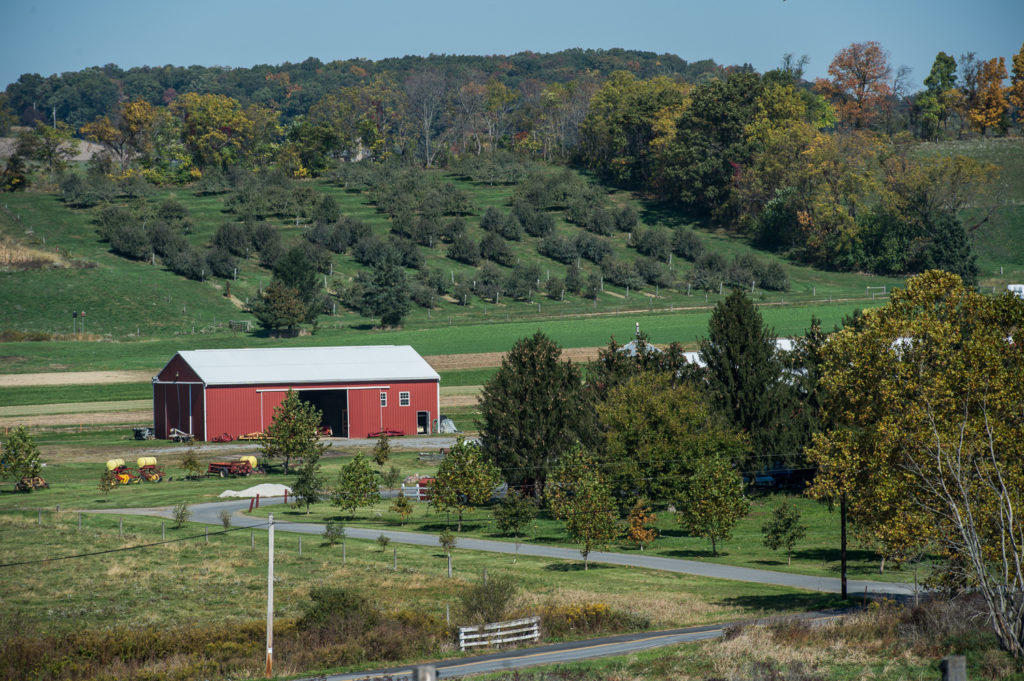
75, 378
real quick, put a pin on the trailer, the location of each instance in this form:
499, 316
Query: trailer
240, 467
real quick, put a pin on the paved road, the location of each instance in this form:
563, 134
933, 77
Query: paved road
209, 513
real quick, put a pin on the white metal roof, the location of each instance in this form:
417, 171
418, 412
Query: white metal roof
309, 365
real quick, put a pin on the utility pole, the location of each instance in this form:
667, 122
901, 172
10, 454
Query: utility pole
270, 597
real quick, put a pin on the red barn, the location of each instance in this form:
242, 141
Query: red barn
359, 389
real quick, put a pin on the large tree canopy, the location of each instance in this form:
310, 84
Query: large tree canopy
925, 396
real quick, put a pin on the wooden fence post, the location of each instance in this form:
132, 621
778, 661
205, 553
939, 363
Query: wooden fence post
425, 672
300, 547
163, 531
120, 528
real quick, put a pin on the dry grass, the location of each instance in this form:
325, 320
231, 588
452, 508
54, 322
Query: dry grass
664, 609
15, 256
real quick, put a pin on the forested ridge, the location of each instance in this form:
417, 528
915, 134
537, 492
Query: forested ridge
828, 174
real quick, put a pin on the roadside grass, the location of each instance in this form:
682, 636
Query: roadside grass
686, 327
864, 645
215, 578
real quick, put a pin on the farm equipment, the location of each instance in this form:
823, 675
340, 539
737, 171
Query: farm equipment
29, 483
223, 437
143, 433
242, 466
251, 436
148, 469
180, 435
122, 474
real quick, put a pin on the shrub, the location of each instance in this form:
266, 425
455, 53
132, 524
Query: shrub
383, 540
488, 601
621, 273
589, 618
339, 611
221, 263
181, 514
558, 248
234, 238
186, 261
333, 533
534, 222
225, 519
771, 276
686, 244
130, 241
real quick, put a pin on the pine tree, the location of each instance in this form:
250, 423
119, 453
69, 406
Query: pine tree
534, 407
744, 377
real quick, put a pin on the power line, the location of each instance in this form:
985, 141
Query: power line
127, 548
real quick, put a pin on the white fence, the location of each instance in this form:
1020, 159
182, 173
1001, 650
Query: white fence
527, 629
416, 492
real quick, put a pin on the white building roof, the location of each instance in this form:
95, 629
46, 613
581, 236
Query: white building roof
309, 365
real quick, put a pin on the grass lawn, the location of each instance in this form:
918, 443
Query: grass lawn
817, 554
223, 579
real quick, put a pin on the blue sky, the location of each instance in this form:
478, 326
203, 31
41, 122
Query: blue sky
61, 35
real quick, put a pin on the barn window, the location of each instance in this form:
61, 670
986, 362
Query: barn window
383, 399
403, 399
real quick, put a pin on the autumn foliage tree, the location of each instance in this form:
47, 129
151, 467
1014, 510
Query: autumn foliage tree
990, 106
640, 524
858, 83
925, 394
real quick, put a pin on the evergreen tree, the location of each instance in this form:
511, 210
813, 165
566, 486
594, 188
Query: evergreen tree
534, 407
744, 377
307, 487
384, 293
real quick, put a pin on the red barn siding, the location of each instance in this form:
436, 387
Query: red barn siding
178, 405
237, 410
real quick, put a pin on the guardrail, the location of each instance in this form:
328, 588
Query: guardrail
496, 633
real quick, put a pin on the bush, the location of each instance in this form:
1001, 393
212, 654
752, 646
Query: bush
771, 276
220, 263
534, 222
464, 249
338, 611
621, 273
558, 248
130, 241
488, 601
589, 618
686, 244
181, 514
333, 533
234, 238
187, 262
654, 273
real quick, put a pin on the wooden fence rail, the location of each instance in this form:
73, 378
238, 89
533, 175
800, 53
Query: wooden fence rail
496, 633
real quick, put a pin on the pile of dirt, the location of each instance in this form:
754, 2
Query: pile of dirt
264, 490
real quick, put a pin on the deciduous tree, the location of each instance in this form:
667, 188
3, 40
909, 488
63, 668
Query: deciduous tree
712, 501
926, 393
577, 493
989, 107
19, 456
293, 431
513, 514
859, 83
356, 486
464, 479
783, 530
307, 487
640, 525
